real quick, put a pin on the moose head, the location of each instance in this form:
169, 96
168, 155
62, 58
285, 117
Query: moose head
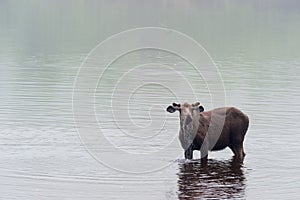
187, 112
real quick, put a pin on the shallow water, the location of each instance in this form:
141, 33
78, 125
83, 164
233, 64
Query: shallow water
126, 146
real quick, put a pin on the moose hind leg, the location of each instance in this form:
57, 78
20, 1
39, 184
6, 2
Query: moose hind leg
204, 154
241, 151
238, 151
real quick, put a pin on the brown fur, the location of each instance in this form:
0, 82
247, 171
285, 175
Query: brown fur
212, 130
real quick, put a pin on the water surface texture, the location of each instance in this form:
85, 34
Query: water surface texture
254, 46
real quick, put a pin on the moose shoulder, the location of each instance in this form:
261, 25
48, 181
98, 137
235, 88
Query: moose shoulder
210, 130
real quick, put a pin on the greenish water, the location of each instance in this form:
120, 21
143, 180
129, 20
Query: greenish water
255, 46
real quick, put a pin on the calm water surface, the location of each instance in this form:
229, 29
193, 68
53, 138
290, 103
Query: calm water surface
255, 46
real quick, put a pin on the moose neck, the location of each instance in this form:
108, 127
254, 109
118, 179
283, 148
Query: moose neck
189, 130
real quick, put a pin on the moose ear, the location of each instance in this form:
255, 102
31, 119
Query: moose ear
201, 109
171, 109
176, 105
196, 104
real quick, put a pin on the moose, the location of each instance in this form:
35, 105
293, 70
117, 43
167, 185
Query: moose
211, 130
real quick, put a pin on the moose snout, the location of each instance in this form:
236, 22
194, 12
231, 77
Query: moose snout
188, 120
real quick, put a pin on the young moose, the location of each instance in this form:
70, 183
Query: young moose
211, 130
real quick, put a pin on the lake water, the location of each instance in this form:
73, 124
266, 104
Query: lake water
103, 133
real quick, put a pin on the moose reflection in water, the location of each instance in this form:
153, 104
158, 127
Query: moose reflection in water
216, 180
